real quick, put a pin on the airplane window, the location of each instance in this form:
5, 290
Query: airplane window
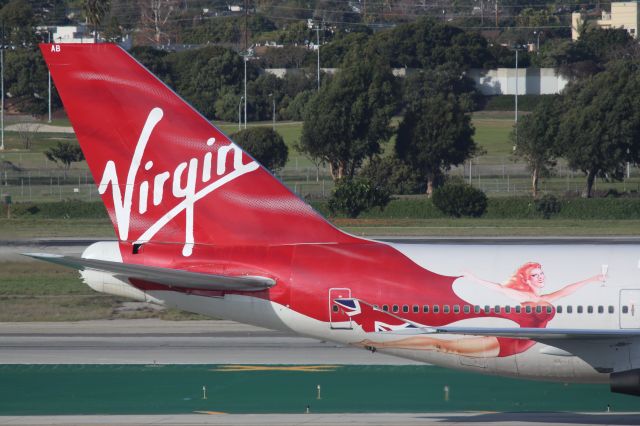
569, 309
611, 309
538, 309
445, 309
466, 309
601, 309
416, 309
579, 309
590, 309
559, 309
487, 309
456, 309
375, 307
436, 309
476, 309
385, 308
395, 308
625, 309
549, 309
496, 309
425, 309
518, 309
335, 308
507, 309
405, 308
528, 309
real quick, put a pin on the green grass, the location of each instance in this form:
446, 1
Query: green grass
39, 279
38, 291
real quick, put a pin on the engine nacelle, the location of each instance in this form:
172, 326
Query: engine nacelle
105, 282
627, 382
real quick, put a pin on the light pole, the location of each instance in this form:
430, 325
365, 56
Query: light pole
2, 91
537, 33
245, 89
273, 114
318, 50
49, 74
516, 98
240, 113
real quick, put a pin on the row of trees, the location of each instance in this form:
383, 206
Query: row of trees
594, 125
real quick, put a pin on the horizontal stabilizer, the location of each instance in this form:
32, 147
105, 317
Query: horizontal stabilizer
163, 276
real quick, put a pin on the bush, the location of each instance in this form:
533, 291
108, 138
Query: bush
394, 175
265, 145
548, 205
460, 199
69, 209
352, 197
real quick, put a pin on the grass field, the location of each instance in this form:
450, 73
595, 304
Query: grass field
38, 291
29, 176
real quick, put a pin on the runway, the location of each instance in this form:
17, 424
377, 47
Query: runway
478, 419
151, 341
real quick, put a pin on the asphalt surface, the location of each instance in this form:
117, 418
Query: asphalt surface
475, 418
167, 342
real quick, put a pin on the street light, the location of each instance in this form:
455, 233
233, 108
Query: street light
516, 99
273, 114
537, 33
245, 88
49, 74
240, 113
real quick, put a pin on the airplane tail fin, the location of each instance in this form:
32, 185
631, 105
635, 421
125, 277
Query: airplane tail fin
165, 173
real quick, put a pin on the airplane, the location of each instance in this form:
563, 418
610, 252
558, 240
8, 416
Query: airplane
201, 226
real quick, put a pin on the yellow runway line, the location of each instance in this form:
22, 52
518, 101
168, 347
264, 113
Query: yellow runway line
301, 368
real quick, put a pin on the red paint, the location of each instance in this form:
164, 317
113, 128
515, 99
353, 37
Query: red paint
252, 225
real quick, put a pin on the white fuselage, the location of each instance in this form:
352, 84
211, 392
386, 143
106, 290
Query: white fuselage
612, 303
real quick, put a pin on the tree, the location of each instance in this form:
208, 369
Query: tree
154, 18
435, 133
25, 76
600, 128
265, 145
18, 21
65, 153
536, 142
354, 196
95, 11
349, 118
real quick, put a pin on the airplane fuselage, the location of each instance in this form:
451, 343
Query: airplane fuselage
426, 284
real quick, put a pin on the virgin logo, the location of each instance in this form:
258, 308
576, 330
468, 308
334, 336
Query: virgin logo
183, 181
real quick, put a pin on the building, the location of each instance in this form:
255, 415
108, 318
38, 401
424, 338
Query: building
622, 15
71, 34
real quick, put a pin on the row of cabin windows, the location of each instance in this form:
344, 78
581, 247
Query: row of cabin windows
500, 309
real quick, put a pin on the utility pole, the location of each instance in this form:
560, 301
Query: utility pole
497, 14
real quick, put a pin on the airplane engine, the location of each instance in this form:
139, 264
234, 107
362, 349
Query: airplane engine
104, 282
627, 382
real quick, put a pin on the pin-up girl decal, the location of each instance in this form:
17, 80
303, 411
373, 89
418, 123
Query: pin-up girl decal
524, 286
527, 283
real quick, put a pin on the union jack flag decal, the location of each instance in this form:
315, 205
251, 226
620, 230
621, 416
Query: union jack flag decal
371, 318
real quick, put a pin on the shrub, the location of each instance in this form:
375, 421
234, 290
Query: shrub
394, 175
265, 145
548, 205
460, 199
352, 197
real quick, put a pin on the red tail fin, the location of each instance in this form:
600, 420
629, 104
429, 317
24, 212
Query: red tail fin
164, 172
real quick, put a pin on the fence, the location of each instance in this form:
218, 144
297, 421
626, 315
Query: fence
506, 179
